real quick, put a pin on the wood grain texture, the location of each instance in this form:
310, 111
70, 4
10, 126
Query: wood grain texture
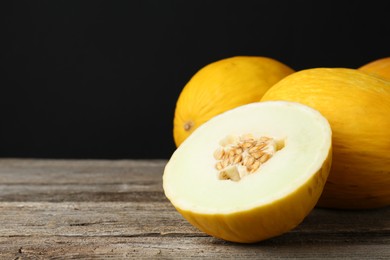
102, 209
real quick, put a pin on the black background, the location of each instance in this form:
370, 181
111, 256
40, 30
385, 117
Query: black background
99, 79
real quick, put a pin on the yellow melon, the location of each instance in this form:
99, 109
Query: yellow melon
223, 85
253, 172
379, 68
357, 106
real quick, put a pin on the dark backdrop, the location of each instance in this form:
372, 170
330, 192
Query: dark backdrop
99, 79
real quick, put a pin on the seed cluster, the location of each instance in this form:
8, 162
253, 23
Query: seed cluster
245, 152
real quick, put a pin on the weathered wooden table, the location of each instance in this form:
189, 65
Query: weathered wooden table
117, 209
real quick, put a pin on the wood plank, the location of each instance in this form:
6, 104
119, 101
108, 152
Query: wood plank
155, 229
117, 209
136, 218
296, 247
85, 180
29, 171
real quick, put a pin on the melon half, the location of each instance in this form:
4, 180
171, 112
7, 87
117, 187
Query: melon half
253, 172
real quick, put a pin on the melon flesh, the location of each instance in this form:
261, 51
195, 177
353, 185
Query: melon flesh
272, 200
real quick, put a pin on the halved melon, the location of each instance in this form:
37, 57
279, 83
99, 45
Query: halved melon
253, 172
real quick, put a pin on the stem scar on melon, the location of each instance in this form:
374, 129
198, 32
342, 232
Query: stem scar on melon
188, 126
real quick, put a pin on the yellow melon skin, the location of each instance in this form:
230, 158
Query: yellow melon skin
223, 85
267, 221
379, 68
357, 107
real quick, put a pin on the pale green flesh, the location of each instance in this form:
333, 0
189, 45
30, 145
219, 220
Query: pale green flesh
190, 177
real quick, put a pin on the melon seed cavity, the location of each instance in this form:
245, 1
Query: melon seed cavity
239, 156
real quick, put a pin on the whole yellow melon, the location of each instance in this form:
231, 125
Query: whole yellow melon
357, 106
223, 85
379, 68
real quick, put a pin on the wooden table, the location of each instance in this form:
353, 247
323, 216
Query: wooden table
117, 209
